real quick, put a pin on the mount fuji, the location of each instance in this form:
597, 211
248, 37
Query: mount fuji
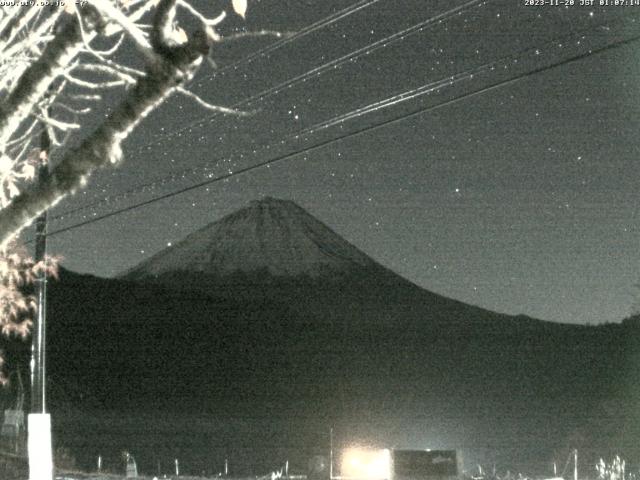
275, 249
272, 236
269, 317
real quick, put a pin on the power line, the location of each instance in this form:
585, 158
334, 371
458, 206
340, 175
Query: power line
276, 89
319, 70
322, 23
356, 133
366, 50
411, 94
316, 71
326, 21
329, 20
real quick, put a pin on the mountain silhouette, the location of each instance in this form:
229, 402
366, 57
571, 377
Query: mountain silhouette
265, 329
273, 249
270, 235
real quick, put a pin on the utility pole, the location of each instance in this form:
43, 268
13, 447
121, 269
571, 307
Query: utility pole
331, 454
39, 422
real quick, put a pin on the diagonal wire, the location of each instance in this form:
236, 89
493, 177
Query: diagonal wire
319, 70
398, 36
430, 87
263, 52
329, 20
368, 129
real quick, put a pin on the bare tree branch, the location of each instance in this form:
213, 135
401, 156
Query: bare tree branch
210, 106
175, 65
35, 81
52, 70
110, 12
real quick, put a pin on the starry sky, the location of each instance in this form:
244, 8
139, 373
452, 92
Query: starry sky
513, 189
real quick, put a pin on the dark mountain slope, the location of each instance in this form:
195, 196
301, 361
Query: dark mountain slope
268, 316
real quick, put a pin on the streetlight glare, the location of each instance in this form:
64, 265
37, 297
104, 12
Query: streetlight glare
366, 464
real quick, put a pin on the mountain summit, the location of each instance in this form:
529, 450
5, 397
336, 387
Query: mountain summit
269, 317
270, 235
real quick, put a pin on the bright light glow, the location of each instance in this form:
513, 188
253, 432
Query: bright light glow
366, 464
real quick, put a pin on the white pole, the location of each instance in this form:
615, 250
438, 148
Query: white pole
39, 422
99, 463
575, 464
177, 468
226, 467
555, 469
39, 446
331, 454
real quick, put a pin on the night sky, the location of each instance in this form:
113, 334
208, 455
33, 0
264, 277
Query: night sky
519, 198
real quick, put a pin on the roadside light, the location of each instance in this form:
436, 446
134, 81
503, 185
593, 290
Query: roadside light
366, 464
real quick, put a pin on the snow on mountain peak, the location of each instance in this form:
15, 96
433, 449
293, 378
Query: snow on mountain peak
272, 235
